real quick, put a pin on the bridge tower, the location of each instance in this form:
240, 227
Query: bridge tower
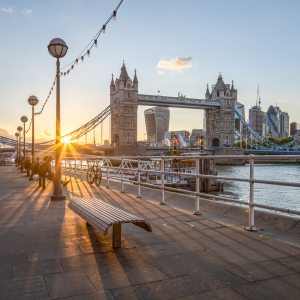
124, 116
220, 121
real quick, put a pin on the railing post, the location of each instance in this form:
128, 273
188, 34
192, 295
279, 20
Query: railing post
197, 199
251, 195
139, 179
122, 174
81, 169
75, 168
162, 185
107, 173
65, 167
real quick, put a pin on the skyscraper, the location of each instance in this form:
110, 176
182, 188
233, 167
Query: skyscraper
157, 123
273, 122
295, 127
257, 118
284, 124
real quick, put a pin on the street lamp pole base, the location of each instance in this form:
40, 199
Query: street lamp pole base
58, 198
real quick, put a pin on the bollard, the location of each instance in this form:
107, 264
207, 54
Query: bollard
251, 194
162, 181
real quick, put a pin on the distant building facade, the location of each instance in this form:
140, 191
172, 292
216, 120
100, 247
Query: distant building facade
257, 119
294, 128
157, 123
284, 124
273, 122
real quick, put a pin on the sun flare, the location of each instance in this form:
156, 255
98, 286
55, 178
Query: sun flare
66, 139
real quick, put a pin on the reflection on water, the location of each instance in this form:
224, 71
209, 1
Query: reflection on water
280, 196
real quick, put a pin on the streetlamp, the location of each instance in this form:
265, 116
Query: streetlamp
58, 49
24, 119
17, 136
19, 128
33, 101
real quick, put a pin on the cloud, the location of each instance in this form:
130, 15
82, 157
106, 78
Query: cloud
27, 11
178, 63
281, 101
8, 9
160, 72
46, 133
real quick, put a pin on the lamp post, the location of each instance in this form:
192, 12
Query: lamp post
24, 119
17, 136
33, 101
58, 49
19, 128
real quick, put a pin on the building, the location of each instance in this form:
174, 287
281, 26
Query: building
240, 109
157, 123
183, 133
124, 116
220, 121
284, 124
294, 127
257, 119
273, 122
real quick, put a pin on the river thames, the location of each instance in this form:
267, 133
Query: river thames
280, 196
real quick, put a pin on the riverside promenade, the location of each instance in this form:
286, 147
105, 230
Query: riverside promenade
47, 252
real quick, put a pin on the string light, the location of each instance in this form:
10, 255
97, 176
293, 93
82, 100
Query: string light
93, 42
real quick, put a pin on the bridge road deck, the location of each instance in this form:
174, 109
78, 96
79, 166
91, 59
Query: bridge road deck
48, 252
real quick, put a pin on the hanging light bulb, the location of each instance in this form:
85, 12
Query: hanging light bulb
68, 72
72, 68
51, 89
65, 74
54, 83
114, 15
82, 59
77, 61
88, 53
96, 45
61, 74
103, 28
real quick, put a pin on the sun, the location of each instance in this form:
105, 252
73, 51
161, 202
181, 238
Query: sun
66, 139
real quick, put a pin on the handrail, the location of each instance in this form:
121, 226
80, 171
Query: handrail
144, 164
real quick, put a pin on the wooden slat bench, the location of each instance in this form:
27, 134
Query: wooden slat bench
102, 215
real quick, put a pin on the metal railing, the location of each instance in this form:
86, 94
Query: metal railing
157, 165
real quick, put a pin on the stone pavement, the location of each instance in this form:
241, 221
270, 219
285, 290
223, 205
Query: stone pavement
47, 252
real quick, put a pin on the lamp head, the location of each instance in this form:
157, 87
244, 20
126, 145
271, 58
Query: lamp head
57, 48
24, 119
19, 128
17, 134
33, 100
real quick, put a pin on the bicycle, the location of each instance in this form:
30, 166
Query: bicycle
94, 173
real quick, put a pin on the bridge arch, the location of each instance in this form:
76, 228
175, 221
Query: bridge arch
115, 139
215, 143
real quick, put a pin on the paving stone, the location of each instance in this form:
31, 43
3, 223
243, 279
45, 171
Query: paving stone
6, 272
224, 294
267, 269
253, 252
123, 273
53, 254
178, 287
189, 245
66, 284
90, 260
187, 263
9, 259
11, 238
30, 288
52, 233
279, 288
101, 295
11, 225
33, 268
15, 248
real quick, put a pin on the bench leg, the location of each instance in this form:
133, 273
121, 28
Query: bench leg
117, 236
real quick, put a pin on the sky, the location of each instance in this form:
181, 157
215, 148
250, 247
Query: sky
175, 46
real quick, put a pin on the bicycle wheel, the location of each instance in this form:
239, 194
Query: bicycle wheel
98, 177
90, 175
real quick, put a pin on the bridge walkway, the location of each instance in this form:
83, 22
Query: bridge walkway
47, 252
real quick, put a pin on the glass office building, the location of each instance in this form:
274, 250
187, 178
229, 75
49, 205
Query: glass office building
273, 122
157, 123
